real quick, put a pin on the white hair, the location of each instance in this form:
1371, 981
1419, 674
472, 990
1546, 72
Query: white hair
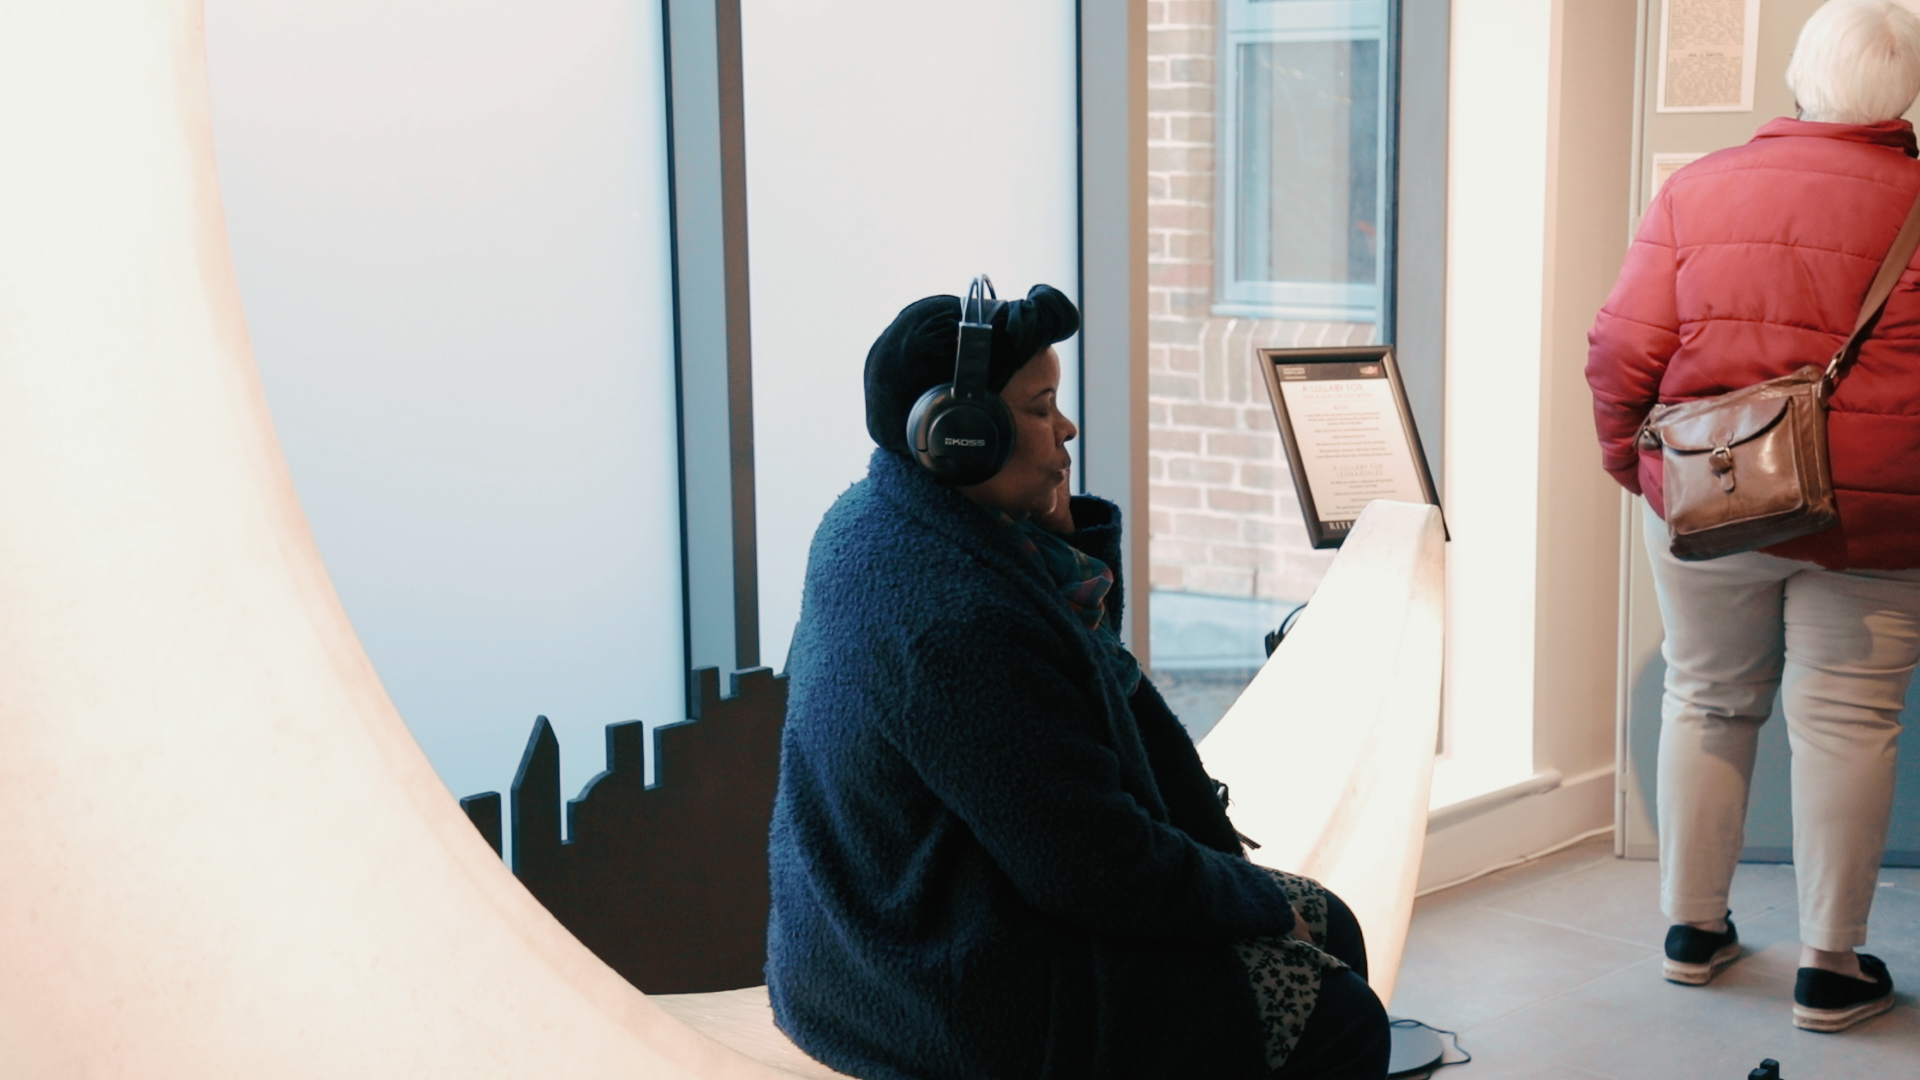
1857, 62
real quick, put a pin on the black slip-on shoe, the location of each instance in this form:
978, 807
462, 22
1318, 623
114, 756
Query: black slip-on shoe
1829, 1001
1695, 956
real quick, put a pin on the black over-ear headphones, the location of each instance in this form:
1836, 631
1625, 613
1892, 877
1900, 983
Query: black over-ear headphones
961, 432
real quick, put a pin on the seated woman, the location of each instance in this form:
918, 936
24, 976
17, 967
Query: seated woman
995, 853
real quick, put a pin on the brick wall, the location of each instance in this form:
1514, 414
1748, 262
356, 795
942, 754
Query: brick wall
1224, 520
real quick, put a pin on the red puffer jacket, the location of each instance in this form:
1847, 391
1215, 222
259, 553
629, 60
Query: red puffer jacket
1750, 264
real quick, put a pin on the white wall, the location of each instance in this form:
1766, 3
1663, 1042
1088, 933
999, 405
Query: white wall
1496, 221
449, 220
894, 150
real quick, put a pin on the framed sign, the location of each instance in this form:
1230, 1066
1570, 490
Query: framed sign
1349, 434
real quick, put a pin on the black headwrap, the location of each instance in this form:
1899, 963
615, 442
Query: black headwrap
916, 353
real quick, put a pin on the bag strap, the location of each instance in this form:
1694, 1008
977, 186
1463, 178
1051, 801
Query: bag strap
1891, 267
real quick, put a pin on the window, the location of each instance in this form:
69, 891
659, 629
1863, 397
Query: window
453, 250
1304, 159
1271, 175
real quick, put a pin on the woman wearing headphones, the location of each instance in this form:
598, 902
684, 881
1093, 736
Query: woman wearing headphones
994, 850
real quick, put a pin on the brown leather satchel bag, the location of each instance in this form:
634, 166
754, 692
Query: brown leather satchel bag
1749, 468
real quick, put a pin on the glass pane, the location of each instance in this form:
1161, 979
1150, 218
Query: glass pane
839, 243
1296, 129
1307, 181
453, 249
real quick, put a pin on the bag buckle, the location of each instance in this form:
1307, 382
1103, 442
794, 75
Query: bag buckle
1648, 438
1721, 462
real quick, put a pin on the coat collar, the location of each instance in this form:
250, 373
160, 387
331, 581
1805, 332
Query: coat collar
945, 510
972, 528
1897, 134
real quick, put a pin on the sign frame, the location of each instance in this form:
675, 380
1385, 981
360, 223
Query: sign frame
1330, 534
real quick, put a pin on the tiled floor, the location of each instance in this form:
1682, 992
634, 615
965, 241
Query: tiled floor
1551, 971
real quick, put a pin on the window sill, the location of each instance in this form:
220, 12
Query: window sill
1297, 312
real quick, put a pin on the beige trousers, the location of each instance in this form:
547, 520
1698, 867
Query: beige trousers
1840, 648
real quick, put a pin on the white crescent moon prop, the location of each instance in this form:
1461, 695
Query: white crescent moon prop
223, 854
1328, 754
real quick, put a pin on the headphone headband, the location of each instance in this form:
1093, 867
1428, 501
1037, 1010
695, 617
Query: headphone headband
975, 352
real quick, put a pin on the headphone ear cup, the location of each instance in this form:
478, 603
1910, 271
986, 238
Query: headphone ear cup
960, 440
920, 420
1001, 418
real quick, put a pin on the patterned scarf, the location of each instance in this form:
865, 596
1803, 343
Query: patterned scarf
1083, 582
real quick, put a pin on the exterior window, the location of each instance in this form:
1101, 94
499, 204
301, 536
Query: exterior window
1270, 172
1304, 159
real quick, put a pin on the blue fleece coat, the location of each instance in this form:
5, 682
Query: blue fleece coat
976, 872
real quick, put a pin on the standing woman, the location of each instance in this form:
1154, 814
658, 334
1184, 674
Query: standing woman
1750, 264
995, 853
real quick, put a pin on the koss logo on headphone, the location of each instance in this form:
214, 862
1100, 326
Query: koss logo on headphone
961, 432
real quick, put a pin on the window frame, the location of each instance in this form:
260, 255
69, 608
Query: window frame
1255, 22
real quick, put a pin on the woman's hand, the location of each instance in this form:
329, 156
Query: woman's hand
1300, 930
1059, 520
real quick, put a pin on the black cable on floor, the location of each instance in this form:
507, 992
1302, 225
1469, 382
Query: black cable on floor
1443, 1063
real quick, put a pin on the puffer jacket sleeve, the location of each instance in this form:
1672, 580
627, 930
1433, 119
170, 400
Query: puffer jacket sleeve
1634, 337
1006, 740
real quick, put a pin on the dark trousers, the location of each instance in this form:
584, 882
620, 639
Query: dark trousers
1346, 1038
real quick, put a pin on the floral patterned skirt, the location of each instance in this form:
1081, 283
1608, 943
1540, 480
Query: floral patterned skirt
1286, 972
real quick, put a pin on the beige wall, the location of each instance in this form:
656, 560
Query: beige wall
1589, 166
1540, 140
